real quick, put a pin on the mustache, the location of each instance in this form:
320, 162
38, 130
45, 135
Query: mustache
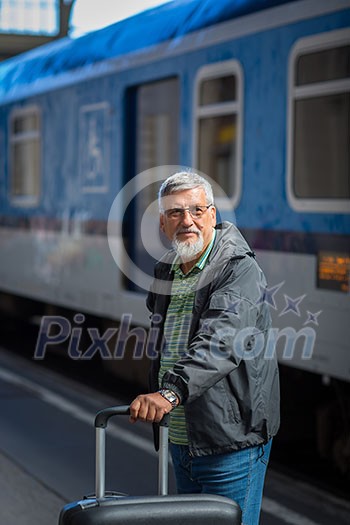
187, 230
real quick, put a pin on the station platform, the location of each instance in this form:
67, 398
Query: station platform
24, 500
47, 447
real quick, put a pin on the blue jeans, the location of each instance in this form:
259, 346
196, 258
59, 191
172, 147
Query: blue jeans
238, 475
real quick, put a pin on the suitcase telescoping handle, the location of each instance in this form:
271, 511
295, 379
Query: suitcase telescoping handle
101, 422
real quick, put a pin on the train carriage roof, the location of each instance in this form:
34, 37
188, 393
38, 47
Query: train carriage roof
168, 21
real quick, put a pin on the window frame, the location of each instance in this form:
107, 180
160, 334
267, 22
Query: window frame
304, 46
46, 10
207, 72
24, 201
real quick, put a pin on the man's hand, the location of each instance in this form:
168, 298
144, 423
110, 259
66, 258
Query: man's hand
149, 407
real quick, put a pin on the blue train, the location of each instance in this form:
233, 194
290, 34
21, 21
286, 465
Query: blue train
253, 94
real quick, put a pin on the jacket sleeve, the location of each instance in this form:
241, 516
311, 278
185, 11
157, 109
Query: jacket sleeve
226, 333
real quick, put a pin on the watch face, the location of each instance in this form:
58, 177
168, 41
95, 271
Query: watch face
170, 396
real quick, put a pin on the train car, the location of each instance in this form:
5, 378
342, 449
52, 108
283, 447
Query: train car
255, 95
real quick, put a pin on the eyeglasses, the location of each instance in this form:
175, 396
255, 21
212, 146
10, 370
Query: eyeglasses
196, 212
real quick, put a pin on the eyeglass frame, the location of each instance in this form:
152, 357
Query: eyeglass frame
182, 211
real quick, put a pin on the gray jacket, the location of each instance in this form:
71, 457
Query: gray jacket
230, 391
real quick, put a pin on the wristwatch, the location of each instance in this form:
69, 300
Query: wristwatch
170, 396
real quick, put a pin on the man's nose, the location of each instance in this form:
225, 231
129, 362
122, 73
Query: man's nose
186, 218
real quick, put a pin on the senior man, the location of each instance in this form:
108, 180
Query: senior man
212, 374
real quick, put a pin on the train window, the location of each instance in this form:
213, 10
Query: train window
319, 124
218, 129
321, 66
217, 90
25, 157
157, 124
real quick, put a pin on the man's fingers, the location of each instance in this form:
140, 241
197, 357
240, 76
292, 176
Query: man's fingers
134, 410
149, 407
160, 414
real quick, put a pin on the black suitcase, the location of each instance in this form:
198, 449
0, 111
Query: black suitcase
104, 509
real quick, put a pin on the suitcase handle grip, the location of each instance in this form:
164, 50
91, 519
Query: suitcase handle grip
102, 417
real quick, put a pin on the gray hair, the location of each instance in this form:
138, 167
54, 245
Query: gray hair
185, 180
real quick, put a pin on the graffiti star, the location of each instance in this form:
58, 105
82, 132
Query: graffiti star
312, 317
292, 305
268, 295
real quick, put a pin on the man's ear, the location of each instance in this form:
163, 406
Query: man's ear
161, 222
213, 215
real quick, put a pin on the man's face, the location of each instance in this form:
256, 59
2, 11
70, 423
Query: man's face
189, 234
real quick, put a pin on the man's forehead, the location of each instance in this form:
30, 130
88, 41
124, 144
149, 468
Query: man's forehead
185, 197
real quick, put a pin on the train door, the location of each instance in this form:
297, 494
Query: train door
153, 141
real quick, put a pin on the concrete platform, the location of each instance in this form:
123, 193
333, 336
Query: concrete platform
25, 500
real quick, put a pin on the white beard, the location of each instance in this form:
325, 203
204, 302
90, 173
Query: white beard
187, 251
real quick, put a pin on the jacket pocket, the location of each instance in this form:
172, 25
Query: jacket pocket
231, 409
